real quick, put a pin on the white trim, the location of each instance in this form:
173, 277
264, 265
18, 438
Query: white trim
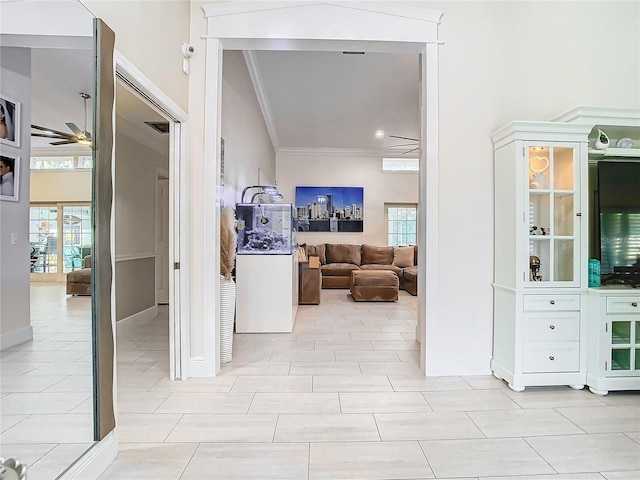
16, 337
263, 101
143, 315
316, 26
601, 116
336, 152
94, 461
179, 232
135, 256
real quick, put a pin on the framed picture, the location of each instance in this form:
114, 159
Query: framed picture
330, 209
9, 177
9, 121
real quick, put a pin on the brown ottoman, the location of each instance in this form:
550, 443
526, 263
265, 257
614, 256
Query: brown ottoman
374, 286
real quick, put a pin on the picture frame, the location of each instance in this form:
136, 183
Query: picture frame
9, 121
9, 177
330, 209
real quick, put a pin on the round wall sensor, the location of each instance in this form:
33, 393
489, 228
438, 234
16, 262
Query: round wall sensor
625, 142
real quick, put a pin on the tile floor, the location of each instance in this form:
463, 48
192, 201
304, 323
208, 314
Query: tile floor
46, 419
342, 398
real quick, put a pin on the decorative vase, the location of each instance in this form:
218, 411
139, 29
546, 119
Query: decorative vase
227, 318
602, 141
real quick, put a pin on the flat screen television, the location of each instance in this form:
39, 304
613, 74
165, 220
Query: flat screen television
619, 218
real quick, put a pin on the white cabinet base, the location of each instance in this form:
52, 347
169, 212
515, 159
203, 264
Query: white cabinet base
266, 293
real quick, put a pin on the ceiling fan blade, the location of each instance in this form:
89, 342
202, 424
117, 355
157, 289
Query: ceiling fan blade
412, 150
402, 145
404, 138
53, 137
64, 142
57, 132
74, 128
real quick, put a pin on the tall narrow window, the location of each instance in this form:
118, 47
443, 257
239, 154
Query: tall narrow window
401, 224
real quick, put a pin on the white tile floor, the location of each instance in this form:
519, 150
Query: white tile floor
342, 398
46, 418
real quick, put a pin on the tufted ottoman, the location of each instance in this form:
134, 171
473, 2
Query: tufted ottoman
374, 286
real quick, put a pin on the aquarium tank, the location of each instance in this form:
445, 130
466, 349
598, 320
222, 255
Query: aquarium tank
266, 228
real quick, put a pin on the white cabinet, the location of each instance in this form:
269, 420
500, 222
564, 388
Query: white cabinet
540, 274
613, 339
266, 293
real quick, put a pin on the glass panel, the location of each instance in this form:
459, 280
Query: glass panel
43, 239
621, 359
76, 236
48, 163
412, 213
411, 239
402, 214
563, 268
85, 162
637, 333
539, 174
539, 214
620, 332
563, 214
637, 354
393, 213
539, 268
563, 168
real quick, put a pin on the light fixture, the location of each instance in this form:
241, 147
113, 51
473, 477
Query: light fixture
379, 134
271, 191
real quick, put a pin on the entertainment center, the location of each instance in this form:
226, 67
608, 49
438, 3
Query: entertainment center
559, 203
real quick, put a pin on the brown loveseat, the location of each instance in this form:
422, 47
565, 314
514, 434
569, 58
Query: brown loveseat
338, 260
79, 281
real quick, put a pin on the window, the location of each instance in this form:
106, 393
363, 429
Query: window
48, 223
62, 163
400, 165
401, 224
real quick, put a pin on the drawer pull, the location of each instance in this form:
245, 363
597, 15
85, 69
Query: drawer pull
552, 327
634, 304
552, 358
552, 302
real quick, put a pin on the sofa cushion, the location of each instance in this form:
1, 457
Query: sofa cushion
403, 256
410, 273
338, 269
391, 268
376, 255
343, 253
317, 251
82, 275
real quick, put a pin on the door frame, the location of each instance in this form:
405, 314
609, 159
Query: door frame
178, 174
323, 26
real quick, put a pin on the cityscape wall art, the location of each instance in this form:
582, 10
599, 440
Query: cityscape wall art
330, 209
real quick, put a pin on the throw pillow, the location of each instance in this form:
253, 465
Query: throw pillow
403, 256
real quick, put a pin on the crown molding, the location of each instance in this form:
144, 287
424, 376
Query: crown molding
336, 152
256, 80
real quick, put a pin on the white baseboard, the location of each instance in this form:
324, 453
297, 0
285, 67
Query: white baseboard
141, 316
16, 337
94, 461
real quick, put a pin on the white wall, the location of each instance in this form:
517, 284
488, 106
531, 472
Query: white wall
150, 35
135, 217
247, 145
15, 328
356, 171
60, 186
504, 61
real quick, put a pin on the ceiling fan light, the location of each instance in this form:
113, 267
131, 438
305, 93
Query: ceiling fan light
379, 133
84, 141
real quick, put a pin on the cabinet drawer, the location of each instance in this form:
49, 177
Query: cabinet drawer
550, 357
547, 303
552, 327
628, 304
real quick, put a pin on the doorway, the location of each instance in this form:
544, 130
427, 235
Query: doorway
330, 28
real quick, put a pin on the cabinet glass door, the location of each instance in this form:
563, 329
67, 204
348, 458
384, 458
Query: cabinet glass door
553, 227
625, 348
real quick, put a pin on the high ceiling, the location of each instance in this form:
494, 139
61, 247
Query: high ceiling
312, 99
337, 100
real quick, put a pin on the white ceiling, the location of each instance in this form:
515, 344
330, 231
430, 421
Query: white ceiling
313, 99
336, 100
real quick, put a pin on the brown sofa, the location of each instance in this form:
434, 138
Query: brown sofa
338, 260
79, 281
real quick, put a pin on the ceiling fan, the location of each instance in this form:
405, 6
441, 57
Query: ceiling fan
83, 137
413, 145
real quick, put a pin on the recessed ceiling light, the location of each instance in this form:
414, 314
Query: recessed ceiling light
379, 133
